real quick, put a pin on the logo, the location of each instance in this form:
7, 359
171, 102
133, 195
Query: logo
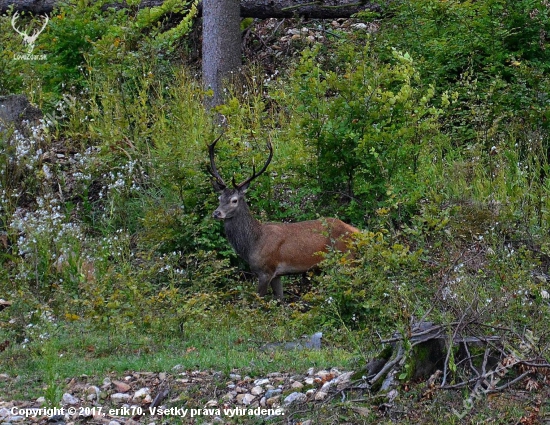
29, 40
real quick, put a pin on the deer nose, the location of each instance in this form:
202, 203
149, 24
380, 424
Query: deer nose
218, 215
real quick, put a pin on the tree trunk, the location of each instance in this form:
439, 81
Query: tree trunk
324, 9
221, 46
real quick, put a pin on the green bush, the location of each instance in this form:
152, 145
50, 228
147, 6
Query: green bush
369, 123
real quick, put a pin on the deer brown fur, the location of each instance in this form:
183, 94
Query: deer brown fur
273, 249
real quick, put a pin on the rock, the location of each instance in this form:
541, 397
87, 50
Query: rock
162, 376
4, 413
273, 401
259, 382
120, 397
114, 423
273, 392
16, 108
257, 390
229, 396
321, 395
323, 374
69, 399
15, 418
40, 400
245, 399
262, 401
311, 371
141, 393
122, 387
235, 376
359, 26
311, 392
309, 381
211, 403
248, 399
93, 393
314, 341
294, 397
326, 387
296, 385
4, 377
106, 384
92, 389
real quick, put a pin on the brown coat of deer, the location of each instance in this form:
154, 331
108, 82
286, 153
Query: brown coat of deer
273, 249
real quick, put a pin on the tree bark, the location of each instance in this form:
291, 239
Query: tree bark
221, 46
319, 9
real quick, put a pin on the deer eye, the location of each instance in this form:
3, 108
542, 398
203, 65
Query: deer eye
234, 201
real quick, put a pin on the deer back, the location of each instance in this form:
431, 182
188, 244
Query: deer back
287, 248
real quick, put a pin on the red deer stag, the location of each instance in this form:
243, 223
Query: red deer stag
273, 249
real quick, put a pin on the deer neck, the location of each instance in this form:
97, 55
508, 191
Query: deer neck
243, 231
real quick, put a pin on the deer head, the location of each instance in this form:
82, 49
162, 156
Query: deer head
29, 40
232, 200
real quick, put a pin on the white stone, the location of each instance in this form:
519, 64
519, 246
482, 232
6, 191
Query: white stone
141, 393
291, 398
211, 403
297, 385
321, 395
247, 399
69, 399
120, 397
257, 390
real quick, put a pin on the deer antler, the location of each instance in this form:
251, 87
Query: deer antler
37, 32
212, 169
13, 19
254, 174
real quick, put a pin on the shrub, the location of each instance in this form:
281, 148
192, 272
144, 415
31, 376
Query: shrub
370, 123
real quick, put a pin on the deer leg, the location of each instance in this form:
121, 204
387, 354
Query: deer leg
264, 280
277, 287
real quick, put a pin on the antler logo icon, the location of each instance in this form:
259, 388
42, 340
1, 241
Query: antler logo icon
29, 40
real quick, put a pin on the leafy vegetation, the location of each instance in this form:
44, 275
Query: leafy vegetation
429, 133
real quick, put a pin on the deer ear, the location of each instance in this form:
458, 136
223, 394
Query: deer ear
244, 187
218, 187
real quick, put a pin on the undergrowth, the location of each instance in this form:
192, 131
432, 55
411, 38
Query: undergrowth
433, 143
